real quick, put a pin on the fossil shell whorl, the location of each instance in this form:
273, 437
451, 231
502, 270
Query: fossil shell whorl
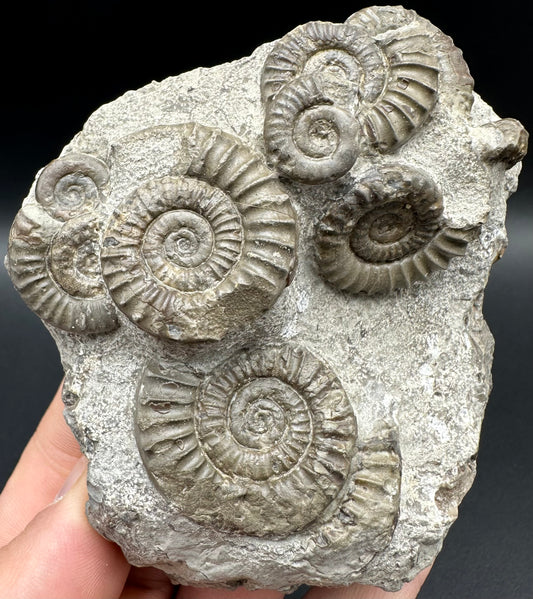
381, 91
388, 236
71, 185
407, 100
320, 48
190, 257
56, 270
263, 446
423, 63
307, 137
375, 20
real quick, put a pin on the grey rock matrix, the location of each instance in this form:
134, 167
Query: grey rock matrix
265, 280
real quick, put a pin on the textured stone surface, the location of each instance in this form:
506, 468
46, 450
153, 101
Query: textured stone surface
265, 280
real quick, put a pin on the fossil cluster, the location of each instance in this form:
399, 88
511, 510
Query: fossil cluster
265, 283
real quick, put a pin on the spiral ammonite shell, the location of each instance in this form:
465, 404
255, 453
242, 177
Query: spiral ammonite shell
388, 85
308, 137
190, 257
407, 100
388, 236
56, 270
263, 446
422, 62
71, 185
316, 48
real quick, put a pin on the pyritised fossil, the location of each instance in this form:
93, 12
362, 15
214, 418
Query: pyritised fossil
311, 139
321, 48
55, 268
387, 234
263, 446
71, 185
246, 421
388, 86
190, 257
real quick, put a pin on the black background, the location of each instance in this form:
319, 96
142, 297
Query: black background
61, 60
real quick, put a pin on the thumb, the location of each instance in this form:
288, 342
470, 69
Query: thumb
59, 555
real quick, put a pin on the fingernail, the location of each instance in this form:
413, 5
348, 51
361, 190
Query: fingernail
72, 478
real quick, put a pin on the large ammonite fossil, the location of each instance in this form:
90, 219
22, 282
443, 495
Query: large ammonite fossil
386, 85
192, 256
55, 265
388, 235
262, 446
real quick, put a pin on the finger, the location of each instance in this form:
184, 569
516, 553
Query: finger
147, 583
239, 593
363, 591
45, 463
60, 556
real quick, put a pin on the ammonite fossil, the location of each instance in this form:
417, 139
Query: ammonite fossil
56, 269
385, 88
322, 48
71, 185
309, 138
388, 235
262, 446
190, 257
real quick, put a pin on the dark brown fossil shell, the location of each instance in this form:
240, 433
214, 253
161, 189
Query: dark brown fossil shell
190, 257
56, 270
307, 137
263, 446
388, 235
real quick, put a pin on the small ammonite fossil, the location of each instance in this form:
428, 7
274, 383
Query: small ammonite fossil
71, 185
309, 138
263, 446
389, 234
55, 267
190, 257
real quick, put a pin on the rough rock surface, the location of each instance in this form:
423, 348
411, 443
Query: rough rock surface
265, 280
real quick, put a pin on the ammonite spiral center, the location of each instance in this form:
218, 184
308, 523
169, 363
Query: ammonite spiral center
389, 232
334, 62
195, 240
186, 236
267, 432
72, 190
74, 258
261, 446
316, 135
261, 411
391, 226
85, 260
338, 73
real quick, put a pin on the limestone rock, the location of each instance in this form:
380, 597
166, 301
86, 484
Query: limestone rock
265, 280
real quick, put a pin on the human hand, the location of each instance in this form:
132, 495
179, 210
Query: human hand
48, 550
